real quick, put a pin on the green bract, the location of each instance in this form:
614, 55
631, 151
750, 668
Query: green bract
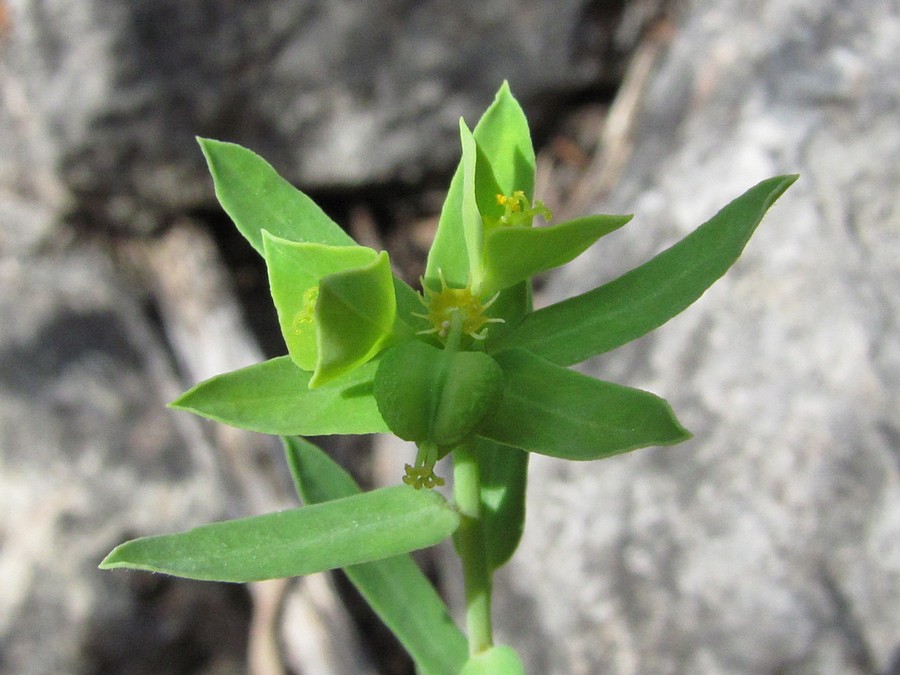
464, 367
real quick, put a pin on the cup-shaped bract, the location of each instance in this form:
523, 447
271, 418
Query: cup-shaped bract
439, 396
336, 305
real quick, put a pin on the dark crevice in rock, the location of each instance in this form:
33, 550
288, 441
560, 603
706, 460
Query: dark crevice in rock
67, 338
167, 625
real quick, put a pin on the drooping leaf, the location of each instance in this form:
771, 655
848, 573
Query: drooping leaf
647, 296
365, 527
558, 412
394, 587
514, 254
295, 270
258, 199
503, 473
355, 316
274, 397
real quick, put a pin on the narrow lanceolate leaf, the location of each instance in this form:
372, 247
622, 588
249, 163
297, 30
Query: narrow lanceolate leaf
514, 254
558, 412
647, 296
258, 199
274, 397
355, 316
394, 587
365, 527
503, 473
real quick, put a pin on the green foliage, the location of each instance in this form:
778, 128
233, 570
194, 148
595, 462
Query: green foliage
499, 660
466, 368
431, 395
503, 475
516, 253
646, 297
258, 199
558, 412
274, 397
347, 531
394, 587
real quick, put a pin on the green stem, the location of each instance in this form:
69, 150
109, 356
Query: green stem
470, 544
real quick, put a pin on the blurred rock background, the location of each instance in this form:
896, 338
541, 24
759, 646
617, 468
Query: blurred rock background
770, 543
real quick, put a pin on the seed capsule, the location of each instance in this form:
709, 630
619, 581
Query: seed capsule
431, 395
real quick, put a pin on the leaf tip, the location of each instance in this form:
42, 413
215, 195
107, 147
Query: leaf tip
178, 403
784, 182
207, 146
113, 559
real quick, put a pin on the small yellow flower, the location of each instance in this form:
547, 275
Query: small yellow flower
517, 210
442, 305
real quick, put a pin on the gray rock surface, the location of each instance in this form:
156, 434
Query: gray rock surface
769, 543
105, 98
89, 457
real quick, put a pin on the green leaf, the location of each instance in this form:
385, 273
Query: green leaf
295, 270
274, 397
369, 526
498, 660
505, 163
503, 135
431, 395
394, 587
448, 256
258, 199
514, 254
557, 412
355, 316
473, 228
503, 474
647, 296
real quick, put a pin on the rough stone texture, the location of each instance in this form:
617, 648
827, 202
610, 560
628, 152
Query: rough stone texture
770, 543
106, 97
89, 457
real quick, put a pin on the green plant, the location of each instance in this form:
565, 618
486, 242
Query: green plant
464, 368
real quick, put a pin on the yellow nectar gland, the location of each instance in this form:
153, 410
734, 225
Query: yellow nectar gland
442, 305
307, 315
517, 210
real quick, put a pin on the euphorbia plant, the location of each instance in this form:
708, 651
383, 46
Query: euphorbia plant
465, 367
